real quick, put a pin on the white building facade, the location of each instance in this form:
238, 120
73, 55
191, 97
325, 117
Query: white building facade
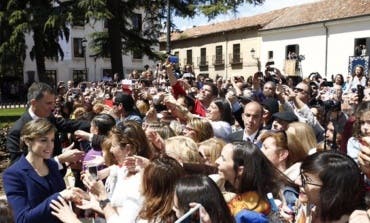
326, 46
72, 67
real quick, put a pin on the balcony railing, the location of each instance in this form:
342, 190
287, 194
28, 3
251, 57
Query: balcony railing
218, 60
202, 61
235, 59
190, 61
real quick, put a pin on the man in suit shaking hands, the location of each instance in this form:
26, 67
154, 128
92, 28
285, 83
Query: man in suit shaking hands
41, 103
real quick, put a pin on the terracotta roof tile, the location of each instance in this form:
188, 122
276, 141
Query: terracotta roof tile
257, 21
320, 11
325, 10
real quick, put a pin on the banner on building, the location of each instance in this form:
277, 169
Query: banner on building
289, 67
358, 61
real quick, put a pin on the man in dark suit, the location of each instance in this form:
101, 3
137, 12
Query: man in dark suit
252, 118
41, 100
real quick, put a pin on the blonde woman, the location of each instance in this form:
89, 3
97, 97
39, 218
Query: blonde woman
303, 135
183, 149
302, 142
198, 129
211, 149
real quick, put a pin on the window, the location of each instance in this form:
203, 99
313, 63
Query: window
292, 52
362, 46
219, 57
51, 77
79, 76
203, 56
105, 24
236, 52
137, 54
270, 55
137, 22
78, 50
189, 57
107, 73
78, 20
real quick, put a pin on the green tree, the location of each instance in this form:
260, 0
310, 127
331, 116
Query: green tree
122, 37
12, 45
46, 20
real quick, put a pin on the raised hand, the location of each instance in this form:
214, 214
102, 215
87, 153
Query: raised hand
96, 161
71, 155
62, 211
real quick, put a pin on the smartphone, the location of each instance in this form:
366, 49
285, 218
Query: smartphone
360, 93
93, 170
173, 59
190, 216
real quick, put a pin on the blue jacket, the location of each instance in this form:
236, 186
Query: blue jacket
247, 216
28, 194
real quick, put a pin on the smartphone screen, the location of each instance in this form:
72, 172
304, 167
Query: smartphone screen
190, 216
93, 170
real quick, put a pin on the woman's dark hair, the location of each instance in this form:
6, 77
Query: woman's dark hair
203, 190
158, 185
66, 109
362, 108
225, 110
134, 131
127, 102
362, 70
341, 79
342, 188
104, 123
259, 174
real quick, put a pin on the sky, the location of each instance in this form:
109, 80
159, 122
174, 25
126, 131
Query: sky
243, 11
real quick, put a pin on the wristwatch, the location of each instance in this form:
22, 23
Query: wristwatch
103, 203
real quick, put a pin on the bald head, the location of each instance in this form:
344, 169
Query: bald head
252, 117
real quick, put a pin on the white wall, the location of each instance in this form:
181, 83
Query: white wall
341, 42
312, 39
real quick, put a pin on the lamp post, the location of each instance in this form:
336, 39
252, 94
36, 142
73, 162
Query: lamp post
168, 46
253, 55
84, 45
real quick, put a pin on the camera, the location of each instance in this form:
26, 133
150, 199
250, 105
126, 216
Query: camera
360, 92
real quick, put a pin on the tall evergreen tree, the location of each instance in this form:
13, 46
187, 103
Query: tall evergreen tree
122, 37
46, 20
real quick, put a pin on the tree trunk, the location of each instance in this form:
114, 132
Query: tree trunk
39, 55
115, 38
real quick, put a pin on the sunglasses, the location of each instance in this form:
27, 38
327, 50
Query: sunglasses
299, 90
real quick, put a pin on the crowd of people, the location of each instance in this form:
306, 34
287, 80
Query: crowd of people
167, 145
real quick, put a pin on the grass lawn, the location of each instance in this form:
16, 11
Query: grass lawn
9, 115
12, 111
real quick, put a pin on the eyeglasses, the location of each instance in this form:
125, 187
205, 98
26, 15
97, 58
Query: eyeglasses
299, 90
306, 181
